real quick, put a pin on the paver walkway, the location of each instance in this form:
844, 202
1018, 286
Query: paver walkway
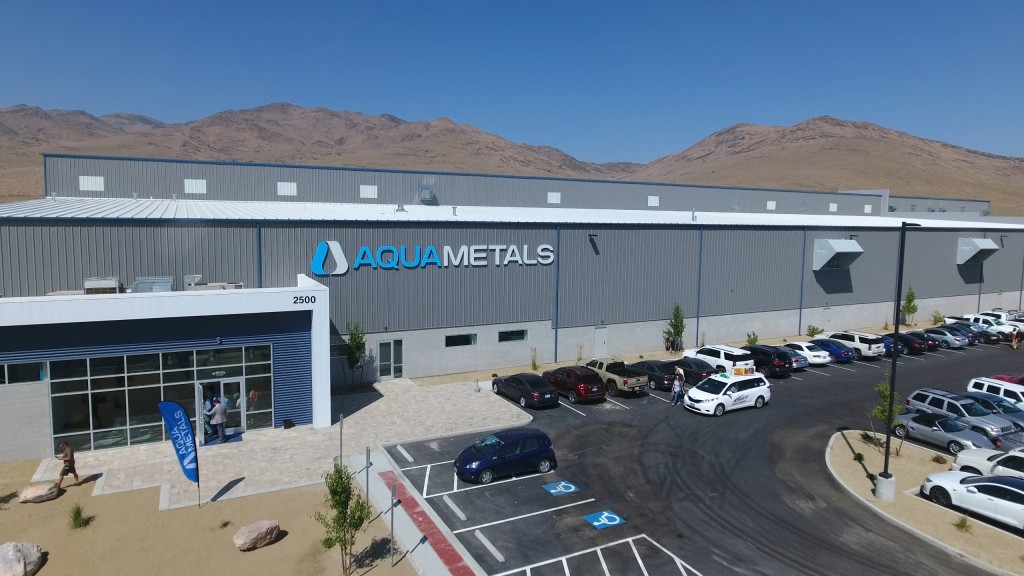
276, 459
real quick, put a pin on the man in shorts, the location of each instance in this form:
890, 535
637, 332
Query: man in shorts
68, 456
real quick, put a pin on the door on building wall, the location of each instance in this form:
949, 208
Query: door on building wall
600, 341
232, 394
389, 359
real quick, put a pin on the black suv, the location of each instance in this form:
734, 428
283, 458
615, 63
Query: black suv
770, 361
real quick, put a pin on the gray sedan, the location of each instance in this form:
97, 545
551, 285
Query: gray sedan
947, 338
939, 430
998, 405
799, 360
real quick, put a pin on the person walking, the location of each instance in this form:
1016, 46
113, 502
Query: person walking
218, 417
677, 390
1015, 338
68, 456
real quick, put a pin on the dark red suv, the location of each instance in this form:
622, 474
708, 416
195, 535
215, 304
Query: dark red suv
579, 383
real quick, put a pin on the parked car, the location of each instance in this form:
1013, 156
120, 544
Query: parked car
892, 346
947, 338
723, 358
996, 497
990, 462
506, 453
719, 393
971, 336
799, 361
1008, 390
815, 355
984, 336
864, 345
998, 405
990, 324
578, 383
617, 376
931, 341
943, 402
660, 373
913, 346
837, 351
1008, 378
694, 369
940, 430
770, 361
527, 389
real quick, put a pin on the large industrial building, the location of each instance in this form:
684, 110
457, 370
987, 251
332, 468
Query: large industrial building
135, 280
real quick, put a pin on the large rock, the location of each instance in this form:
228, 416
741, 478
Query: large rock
38, 492
20, 559
256, 535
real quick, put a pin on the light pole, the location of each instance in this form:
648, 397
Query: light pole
885, 485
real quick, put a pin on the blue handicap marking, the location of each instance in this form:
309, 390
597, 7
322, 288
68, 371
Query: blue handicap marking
563, 487
606, 519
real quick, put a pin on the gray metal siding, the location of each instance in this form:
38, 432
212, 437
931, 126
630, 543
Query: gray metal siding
626, 275
750, 270
41, 257
930, 265
410, 299
164, 179
1002, 270
871, 278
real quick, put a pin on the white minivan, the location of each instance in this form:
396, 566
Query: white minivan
1012, 392
719, 393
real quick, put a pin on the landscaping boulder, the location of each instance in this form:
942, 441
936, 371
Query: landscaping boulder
20, 559
38, 492
256, 535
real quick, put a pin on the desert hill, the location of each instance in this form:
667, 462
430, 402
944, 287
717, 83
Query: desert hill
819, 154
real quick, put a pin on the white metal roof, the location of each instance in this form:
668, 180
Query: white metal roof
152, 209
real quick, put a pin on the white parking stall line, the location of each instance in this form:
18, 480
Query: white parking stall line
604, 565
490, 547
426, 465
403, 452
911, 357
973, 348
796, 377
478, 486
875, 364
571, 408
954, 351
639, 560
843, 368
458, 511
455, 482
933, 354
660, 398
520, 517
426, 482
684, 568
614, 402
565, 567
819, 372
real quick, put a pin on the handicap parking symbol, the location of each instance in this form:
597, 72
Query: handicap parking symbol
563, 487
606, 519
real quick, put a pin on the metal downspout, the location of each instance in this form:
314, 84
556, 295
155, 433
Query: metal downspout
259, 257
803, 262
700, 274
558, 259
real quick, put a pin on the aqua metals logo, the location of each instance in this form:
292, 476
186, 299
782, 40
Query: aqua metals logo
415, 257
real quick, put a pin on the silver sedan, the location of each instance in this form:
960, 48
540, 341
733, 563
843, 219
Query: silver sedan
947, 338
939, 430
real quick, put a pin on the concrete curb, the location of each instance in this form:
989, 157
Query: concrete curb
896, 522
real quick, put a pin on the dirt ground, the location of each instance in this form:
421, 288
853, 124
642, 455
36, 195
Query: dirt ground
128, 535
983, 542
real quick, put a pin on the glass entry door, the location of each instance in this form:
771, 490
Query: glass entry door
389, 359
232, 393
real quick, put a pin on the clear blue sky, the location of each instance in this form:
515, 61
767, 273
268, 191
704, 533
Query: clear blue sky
603, 81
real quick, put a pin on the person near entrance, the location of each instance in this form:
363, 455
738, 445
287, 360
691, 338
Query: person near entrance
68, 456
218, 417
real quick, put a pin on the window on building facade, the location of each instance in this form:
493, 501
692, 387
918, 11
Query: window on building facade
367, 191
287, 189
833, 207
90, 183
770, 205
193, 186
653, 201
512, 336
554, 197
459, 340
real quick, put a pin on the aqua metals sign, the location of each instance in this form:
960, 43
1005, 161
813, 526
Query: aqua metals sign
416, 257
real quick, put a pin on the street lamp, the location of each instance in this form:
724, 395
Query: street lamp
885, 485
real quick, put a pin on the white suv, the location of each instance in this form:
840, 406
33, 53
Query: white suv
721, 392
723, 358
863, 344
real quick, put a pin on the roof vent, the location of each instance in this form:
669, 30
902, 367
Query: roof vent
400, 208
830, 254
192, 279
974, 250
427, 196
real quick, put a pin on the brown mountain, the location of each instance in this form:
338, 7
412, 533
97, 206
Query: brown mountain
819, 154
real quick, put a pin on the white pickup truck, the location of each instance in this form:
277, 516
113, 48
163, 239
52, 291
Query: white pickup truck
1006, 317
989, 323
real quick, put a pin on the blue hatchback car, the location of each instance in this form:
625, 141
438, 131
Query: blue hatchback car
840, 352
506, 453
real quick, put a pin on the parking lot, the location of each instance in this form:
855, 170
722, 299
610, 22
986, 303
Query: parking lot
643, 487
